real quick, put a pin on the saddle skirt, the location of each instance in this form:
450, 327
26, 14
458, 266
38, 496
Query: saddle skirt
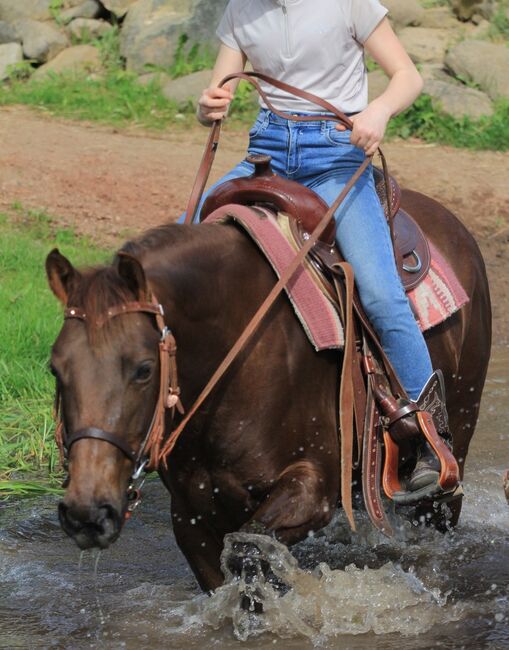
437, 296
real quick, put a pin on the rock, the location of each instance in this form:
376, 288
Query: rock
436, 72
87, 9
79, 59
12, 10
377, 83
188, 88
161, 77
404, 12
481, 29
151, 29
483, 63
41, 41
466, 9
439, 18
8, 34
425, 45
458, 100
118, 7
88, 28
10, 54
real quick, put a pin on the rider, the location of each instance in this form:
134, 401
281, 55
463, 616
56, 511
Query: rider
320, 47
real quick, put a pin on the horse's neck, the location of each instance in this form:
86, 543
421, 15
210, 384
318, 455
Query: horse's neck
210, 285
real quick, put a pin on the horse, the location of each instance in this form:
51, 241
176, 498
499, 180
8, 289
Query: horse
262, 452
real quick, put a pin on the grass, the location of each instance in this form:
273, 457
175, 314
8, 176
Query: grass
423, 121
29, 322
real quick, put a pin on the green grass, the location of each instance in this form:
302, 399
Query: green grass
30, 319
423, 121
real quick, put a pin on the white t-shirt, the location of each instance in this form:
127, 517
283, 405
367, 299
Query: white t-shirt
316, 45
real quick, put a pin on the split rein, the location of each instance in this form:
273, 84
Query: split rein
154, 449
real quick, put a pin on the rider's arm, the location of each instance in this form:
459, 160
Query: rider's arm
214, 101
404, 87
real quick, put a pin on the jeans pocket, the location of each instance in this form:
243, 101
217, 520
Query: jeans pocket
258, 127
335, 137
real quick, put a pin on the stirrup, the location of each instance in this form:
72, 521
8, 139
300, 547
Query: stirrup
431, 420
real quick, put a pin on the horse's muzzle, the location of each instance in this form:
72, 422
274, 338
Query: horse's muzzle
90, 526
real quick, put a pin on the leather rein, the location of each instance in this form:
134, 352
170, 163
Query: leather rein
146, 457
152, 451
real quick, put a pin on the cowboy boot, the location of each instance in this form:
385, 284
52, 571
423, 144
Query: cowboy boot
432, 399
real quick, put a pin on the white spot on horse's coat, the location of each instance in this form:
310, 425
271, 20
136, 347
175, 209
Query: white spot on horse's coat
326, 507
301, 448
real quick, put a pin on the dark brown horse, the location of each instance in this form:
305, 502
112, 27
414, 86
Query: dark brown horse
264, 447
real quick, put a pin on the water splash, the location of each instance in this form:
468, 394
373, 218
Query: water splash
324, 603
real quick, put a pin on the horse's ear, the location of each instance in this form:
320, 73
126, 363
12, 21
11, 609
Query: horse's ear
61, 275
131, 271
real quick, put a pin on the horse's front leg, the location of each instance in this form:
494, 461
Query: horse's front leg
303, 499
199, 544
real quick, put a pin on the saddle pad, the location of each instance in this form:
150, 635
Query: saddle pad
314, 310
436, 298
439, 294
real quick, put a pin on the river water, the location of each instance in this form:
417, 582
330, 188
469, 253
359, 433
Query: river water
419, 591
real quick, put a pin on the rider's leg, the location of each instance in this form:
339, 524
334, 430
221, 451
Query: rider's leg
364, 239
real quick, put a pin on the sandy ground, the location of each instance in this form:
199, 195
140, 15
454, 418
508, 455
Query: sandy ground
112, 184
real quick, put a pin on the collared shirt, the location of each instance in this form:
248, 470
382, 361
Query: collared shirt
316, 45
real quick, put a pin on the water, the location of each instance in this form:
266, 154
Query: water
419, 591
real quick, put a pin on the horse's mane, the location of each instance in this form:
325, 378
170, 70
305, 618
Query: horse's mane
100, 288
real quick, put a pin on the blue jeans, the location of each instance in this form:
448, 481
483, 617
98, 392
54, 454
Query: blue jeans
322, 158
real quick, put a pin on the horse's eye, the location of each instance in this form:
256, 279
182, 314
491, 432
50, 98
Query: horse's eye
143, 372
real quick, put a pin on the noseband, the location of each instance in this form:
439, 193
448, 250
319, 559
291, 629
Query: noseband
146, 457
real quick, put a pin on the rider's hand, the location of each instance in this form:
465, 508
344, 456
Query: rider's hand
213, 104
368, 127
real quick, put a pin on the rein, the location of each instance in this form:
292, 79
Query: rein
146, 457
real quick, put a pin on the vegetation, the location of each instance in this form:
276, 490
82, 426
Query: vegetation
423, 121
29, 321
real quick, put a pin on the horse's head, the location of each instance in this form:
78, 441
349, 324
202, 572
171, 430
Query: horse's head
106, 362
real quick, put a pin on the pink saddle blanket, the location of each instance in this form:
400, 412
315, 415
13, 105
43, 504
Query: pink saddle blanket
436, 298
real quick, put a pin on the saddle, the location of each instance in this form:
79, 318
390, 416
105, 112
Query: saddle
369, 372
264, 188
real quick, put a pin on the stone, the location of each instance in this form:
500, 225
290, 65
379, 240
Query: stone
425, 45
79, 59
481, 29
152, 28
439, 18
10, 54
87, 9
161, 77
12, 10
466, 9
118, 7
458, 100
41, 41
87, 28
437, 72
8, 34
485, 64
403, 13
188, 88
377, 83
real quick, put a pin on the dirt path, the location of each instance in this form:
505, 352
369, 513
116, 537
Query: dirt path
112, 184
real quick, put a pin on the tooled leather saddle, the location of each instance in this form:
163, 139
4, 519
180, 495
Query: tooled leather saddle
267, 189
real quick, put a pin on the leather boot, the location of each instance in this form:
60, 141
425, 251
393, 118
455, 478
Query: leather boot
432, 399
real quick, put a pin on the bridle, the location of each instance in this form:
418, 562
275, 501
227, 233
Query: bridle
146, 457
